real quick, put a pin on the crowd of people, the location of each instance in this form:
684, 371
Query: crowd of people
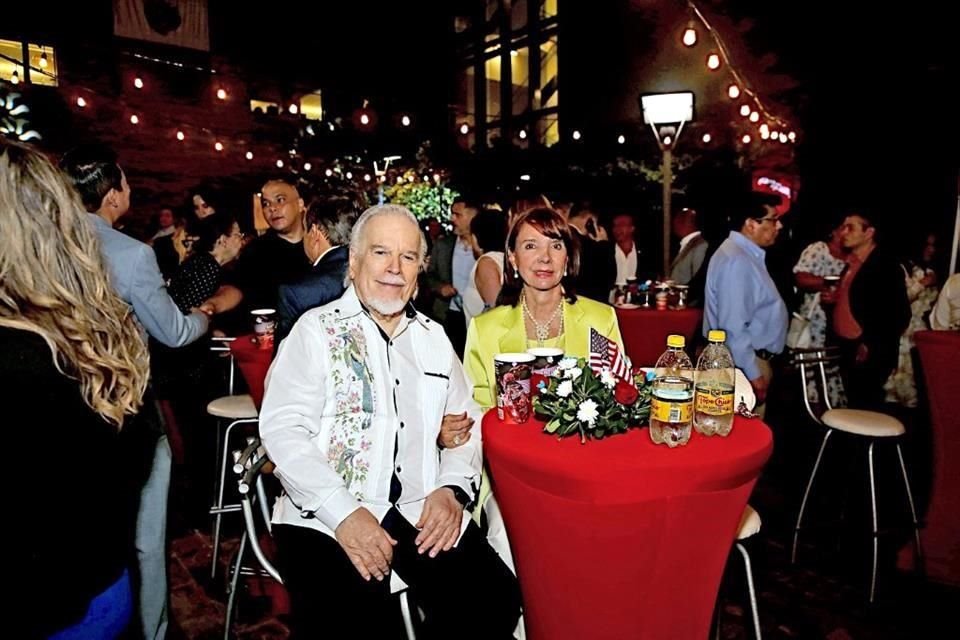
383, 369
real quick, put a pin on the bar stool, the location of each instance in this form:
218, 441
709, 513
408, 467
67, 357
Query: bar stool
873, 426
238, 409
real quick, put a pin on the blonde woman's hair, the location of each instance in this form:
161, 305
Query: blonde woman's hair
53, 283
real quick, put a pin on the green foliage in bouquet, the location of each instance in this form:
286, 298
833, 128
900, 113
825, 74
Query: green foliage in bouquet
576, 400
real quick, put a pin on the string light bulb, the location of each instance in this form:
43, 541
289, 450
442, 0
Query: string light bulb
523, 134
733, 91
792, 136
366, 177
81, 102
764, 133
774, 135
745, 139
713, 61
43, 60
783, 138
15, 77
621, 139
349, 175
667, 141
249, 155
328, 173
364, 119
218, 145
180, 136
221, 94
745, 110
754, 116
405, 121
436, 178
707, 138
576, 134
138, 83
293, 109
279, 164
307, 166
134, 119
765, 128
464, 128
690, 35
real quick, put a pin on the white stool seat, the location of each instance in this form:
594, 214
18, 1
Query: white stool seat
749, 523
872, 424
233, 407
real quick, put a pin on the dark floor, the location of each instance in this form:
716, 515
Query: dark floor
823, 596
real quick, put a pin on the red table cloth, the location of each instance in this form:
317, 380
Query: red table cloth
253, 363
941, 535
621, 538
645, 331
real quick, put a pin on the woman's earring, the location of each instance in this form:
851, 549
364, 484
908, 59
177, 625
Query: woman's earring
516, 272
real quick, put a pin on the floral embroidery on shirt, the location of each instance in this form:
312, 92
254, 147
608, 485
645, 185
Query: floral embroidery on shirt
353, 385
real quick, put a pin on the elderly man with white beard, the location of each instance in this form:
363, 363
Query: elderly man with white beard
351, 415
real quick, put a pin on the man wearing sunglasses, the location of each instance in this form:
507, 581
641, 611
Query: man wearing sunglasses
741, 297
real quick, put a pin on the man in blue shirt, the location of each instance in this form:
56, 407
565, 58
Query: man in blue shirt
135, 275
741, 297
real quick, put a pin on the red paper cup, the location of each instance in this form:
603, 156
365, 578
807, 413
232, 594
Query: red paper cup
513, 372
264, 326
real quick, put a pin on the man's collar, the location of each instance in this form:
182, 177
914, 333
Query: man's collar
685, 240
747, 244
351, 305
100, 221
317, 261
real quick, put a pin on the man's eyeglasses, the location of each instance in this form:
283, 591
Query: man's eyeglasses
773, 219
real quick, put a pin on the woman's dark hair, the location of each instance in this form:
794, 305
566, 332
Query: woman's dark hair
205, 233
490, 228
551, 224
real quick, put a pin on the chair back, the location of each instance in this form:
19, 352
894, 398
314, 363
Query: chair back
815, 361
255, 502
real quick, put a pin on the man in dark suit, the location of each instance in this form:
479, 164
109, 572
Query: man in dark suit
596, 251
329, 222
870, 312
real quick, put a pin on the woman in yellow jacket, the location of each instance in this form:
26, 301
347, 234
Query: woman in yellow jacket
538, 306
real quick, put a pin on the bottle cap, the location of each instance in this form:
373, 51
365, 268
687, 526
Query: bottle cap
717, 335
677, 342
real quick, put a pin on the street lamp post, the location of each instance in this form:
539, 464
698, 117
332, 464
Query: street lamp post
666, 113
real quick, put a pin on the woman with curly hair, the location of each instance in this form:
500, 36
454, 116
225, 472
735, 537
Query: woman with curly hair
73, 373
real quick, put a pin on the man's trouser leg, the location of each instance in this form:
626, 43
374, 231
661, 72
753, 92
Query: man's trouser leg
151, 545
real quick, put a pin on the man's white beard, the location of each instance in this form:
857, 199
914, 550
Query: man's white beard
386, 307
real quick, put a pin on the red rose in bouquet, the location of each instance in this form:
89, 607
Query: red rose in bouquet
625, 393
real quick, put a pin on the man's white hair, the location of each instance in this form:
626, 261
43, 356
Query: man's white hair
358, 239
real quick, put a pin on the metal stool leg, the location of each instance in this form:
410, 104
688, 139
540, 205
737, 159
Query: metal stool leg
218, 508
234, 583
913, 510
407, 620
806, 494
873, 506
753, 594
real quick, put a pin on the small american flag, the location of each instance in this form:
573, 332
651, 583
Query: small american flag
606, 353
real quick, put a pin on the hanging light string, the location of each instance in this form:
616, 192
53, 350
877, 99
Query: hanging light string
728, 61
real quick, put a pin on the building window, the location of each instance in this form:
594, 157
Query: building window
264, 106
41, 68
311, 106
